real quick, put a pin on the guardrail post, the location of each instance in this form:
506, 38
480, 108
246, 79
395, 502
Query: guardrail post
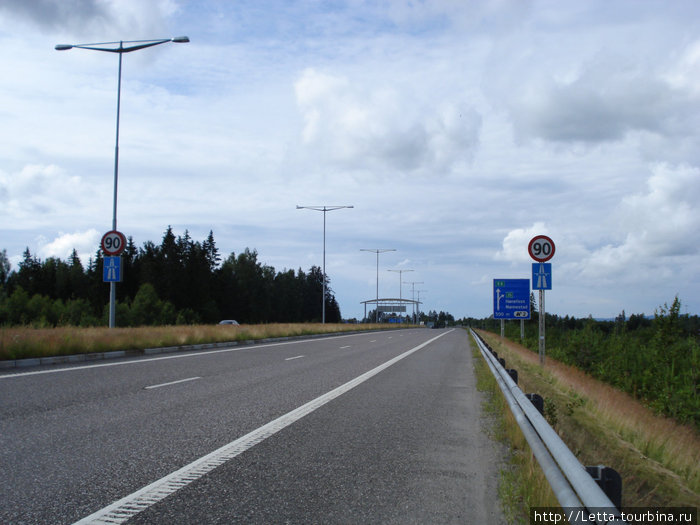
513, 374
502, 361
609, 480
536, 400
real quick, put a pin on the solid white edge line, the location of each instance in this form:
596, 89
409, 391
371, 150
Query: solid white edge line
120, 511
172, 383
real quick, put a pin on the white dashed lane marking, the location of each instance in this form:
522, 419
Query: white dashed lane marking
172, 382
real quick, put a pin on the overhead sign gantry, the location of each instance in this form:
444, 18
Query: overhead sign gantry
391, 305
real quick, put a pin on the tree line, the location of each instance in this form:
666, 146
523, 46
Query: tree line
179, 281
656, 359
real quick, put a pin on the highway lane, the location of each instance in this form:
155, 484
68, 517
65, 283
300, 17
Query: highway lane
403, 446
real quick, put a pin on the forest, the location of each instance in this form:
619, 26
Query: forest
179, 281
655, 359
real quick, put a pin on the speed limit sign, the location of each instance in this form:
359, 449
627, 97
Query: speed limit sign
541, 248
113, 243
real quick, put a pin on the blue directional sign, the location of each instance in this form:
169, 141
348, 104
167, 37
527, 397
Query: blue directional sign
511, 298
541, 276
112, 269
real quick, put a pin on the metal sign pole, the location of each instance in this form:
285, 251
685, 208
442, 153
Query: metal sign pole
541, 249
541, 323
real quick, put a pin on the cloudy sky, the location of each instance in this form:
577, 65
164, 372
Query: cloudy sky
458, 130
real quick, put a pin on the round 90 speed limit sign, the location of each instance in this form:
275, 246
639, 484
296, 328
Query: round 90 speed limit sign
541, 248
113, 243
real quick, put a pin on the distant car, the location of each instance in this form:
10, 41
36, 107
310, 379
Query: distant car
229, 321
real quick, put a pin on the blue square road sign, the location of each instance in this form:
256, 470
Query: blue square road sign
541, 276
511, 298
111, 269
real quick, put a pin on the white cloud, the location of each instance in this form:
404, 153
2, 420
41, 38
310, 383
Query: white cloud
664, 220
515, 243
684, 73
363, 126
659, 228
38, 192
86, 243
604, 102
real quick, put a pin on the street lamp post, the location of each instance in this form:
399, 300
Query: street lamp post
400, 272
418, 305
324, 209
377, 251
138, 44
413, 295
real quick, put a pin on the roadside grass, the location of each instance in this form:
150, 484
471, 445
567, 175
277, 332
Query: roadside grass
522, 483
657, 458
25, 342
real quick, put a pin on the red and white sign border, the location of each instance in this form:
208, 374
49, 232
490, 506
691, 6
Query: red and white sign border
531, 251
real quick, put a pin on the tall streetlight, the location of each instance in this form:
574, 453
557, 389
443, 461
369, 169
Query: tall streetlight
418, 305
324, 209
413, 295
400, 272
137, 44
377, 251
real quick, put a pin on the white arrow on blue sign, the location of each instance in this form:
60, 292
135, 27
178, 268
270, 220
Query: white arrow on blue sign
111, 269
541, 276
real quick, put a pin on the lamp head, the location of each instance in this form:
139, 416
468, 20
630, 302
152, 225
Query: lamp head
180, 39
63, 47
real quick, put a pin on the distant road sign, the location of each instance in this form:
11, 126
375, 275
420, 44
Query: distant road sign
511, 298
113, 243
112, 269
541, 276
541, 248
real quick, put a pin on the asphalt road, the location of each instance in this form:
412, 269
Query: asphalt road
375, 440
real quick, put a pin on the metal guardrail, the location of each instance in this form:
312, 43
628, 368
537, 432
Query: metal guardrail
573, 486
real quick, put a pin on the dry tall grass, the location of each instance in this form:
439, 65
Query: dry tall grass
19, 343
656, 450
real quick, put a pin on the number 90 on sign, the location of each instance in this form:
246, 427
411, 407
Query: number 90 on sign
541, 248
113, 243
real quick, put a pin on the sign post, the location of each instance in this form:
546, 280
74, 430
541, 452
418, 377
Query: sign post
113, 244
541, 249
